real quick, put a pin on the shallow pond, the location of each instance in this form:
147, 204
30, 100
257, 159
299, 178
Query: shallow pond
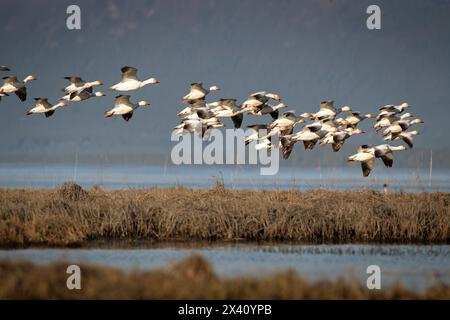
415, 266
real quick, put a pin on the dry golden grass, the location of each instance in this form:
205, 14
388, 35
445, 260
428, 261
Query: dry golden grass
192, 278
71, 216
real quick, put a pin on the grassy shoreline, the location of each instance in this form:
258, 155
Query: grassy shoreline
191, 278
71, 216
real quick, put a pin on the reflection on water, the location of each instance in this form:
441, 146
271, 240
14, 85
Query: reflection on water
238, 177
415, 266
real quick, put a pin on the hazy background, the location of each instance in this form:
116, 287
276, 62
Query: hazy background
306, 51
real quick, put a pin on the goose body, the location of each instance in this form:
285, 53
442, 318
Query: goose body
268, 109
337, 138
353, 119
129, 80
81, 96
43, 106
123, 107
406, 137
388, 119
326, 110
257, 100
400, 126
197, 91
78, 85
227, 109
13, 85
257, 129
366, 155
394, 109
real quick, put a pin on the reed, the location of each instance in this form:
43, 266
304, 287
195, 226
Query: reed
73, 216
192, 278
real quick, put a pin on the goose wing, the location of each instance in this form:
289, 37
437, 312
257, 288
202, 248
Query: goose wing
407, 139
4, 68
128, 73
388, 159
327, 105
10, 80
42, 102
122, 99
22, 93
367, 167
77, 81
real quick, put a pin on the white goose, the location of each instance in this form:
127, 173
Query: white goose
12, 84
366, 154
326, 110
129, 80
197, 91
268, 109
258, 99
227, 109
391, 109
77, 85
388, 119
43, 106
337, 138
81, 96
400, 126
407, 137
123, 107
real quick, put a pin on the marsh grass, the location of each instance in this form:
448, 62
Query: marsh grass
191, 278
73, 216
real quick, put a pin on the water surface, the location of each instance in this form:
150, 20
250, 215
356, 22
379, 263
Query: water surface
415, 266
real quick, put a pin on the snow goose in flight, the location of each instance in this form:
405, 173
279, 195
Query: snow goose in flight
81, 96
43, 106
13, 85
123, 107
353, 119
284, 124
388, 119
400, 126
326, 110
366, 154
227, 109
77, 85
390, 108
257, 131
197, 91
268, 109
197, 125
129, 80
337, 138
407, 137
257, 100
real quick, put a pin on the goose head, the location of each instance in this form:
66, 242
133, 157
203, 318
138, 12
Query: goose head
273, 96
416, 121
143, 103
404, 105
29, 78
406, 115
398, 148
151, 81
214, 88
99, 94
346, 109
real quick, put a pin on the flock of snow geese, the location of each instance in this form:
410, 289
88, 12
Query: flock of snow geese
323, 126
79, 90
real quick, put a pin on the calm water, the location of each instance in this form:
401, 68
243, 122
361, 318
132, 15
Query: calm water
416, 267
239, 177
